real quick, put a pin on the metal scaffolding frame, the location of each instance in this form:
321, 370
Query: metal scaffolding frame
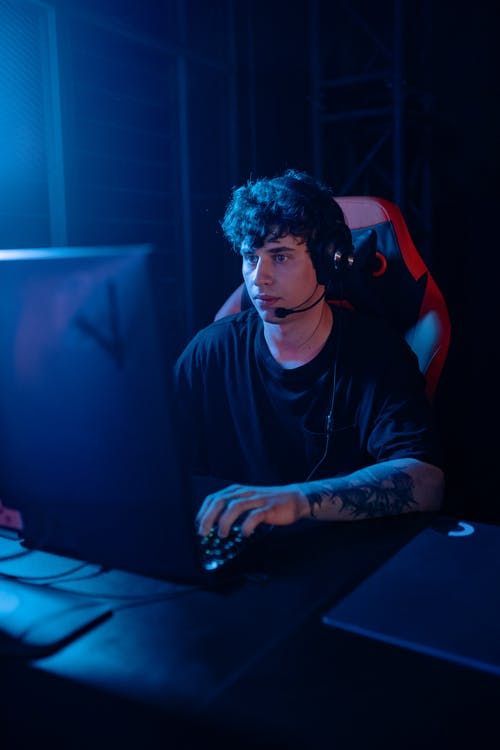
371, 106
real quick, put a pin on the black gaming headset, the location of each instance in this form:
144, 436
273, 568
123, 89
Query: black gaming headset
335, 256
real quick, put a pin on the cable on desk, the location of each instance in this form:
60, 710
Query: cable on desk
159, 599
47, 526
93, 574
16, 555
46, 578
129, 599
137, 601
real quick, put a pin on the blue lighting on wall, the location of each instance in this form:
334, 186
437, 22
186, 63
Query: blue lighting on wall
32, 209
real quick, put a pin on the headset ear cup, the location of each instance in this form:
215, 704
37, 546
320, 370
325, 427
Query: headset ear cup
335, 257
332, 262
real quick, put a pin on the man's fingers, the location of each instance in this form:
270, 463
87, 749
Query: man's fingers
233, 511
253, 519
212, 512
214, 496
215, 504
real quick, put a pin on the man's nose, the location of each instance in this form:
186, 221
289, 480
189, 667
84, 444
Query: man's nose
263, 272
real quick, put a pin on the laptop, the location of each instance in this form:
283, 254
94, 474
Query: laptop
438, 595
90, 452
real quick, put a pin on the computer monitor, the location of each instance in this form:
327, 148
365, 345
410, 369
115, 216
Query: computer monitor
88, 449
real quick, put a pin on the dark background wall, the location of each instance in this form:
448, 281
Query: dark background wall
124, 121
465, 176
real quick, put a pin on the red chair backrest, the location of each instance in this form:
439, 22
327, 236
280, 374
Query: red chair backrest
399, 284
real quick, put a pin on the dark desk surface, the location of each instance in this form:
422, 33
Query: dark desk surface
249, 664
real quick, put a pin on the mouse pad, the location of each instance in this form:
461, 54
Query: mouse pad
36, 621
438, 595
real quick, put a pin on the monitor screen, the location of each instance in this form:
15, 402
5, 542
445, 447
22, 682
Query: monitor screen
87, 444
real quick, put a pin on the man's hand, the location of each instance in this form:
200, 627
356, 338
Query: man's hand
276, 506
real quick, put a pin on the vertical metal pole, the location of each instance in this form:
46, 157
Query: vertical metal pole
427, 146
398, 107
315, 88
252, 110
53, 126
232, 97
184, 171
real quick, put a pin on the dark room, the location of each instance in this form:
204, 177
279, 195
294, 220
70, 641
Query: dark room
248, 374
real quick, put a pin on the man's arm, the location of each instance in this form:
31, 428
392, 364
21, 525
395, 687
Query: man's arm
388, 488
392, 487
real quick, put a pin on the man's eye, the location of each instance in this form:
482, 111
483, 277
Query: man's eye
281, 258
251, 259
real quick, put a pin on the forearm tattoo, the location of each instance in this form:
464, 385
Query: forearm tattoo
389, 496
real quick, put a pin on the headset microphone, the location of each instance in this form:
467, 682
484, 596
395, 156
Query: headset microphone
282, 312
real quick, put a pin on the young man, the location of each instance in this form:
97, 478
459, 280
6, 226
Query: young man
313, 410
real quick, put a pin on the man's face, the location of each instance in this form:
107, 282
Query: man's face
279, 274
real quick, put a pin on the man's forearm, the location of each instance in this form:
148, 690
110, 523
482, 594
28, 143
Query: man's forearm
387, 488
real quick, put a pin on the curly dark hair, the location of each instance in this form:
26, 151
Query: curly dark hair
292, 203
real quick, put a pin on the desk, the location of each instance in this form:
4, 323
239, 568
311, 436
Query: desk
250, 664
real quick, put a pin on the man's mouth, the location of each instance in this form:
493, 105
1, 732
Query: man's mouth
266, 298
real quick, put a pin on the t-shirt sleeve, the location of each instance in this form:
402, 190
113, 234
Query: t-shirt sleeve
402, 423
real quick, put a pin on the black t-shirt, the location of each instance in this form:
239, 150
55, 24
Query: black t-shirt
247, 419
